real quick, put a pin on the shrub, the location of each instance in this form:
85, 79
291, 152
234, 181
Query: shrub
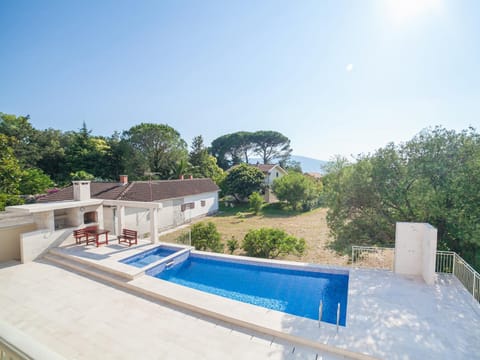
256, 202
205, 237
270, 243
297, 190
242, 181
232, 245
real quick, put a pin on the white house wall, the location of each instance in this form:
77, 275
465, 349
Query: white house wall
171, 214
166, 215
211, 205
273, 175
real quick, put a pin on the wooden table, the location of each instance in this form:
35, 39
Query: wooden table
96, 233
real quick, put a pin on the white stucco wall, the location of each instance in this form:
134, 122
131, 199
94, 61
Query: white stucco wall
415, 250
137, 219
171, 215
33, 244
109, 219
273, 175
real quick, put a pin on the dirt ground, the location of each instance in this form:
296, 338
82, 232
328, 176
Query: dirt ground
311, 226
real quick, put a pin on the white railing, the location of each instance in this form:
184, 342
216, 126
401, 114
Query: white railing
373, 257
447, 262
451, 263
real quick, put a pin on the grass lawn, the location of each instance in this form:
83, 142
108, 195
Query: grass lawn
312, 226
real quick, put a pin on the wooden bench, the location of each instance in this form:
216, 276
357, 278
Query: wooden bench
81, 234
128, 236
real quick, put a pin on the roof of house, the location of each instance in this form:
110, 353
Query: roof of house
265, 168
139, 190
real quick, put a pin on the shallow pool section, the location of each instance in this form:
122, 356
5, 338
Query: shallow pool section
295, 290
148, 257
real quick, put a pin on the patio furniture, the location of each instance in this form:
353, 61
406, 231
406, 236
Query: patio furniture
81, 234
95, 233
128, 236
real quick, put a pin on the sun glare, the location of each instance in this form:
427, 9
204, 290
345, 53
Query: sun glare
403, 11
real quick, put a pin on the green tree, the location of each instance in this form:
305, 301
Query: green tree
52, 145
81, 175
204, 165
242, 181
25, 147
206, 237
271, 243
297, 190
34, 181
10, 173
432, 178
256, 202
232, 149
228, 149
271, 145
88, 153
157, 146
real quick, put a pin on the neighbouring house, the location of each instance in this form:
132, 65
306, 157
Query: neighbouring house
271, 173
146, 206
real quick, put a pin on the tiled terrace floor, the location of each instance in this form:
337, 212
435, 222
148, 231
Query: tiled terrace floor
389, 317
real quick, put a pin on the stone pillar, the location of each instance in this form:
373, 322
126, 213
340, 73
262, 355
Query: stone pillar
154, 225
415, 250
120, 218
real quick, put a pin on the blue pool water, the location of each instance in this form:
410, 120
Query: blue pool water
148, 257
296, 292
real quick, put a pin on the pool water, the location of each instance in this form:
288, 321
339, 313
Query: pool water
148, 257
297, 292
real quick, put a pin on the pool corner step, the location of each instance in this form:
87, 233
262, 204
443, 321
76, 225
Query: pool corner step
84, 268
125, 276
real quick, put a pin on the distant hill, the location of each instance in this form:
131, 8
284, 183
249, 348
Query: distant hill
310, 164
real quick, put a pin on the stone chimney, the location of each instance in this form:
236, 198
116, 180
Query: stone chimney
81, 190
124, 179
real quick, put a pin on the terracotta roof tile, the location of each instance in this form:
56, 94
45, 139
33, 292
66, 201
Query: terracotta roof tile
139, 190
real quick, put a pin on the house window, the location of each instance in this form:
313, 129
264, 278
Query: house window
203, 203
90, 217
186, 206
277, 173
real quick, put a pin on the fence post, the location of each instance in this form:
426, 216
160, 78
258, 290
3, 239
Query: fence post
453, 263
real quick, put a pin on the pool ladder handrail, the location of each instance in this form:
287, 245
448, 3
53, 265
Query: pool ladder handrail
320, 313
338, 315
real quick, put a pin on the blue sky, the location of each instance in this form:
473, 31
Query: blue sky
336, 77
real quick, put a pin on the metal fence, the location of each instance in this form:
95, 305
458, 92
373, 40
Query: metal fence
447, 262
373, 257
451, 263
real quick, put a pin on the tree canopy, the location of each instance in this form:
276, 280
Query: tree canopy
204, 165
232, 149
297, 190
433, 178
158, 148
242, 181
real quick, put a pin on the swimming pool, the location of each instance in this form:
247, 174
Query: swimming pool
291, 290
148, 257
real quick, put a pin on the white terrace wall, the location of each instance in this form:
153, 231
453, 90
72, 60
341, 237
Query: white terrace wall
34, 244
415, 250
10, 241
